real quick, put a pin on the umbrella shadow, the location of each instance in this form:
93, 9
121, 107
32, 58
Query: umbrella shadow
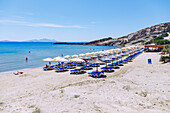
102, 76
61, 71
116, 67
111, 71
88, 69
121, 65
78, 73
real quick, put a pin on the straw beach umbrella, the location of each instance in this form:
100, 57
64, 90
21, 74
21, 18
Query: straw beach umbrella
67, 56
49, 60
76, 60
74, 56
87, 54
60, 59
81, 55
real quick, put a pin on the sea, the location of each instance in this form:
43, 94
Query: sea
13, 54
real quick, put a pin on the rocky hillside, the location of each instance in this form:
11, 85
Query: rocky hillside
138, 37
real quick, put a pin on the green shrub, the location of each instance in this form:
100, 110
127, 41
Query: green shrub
1, 103
165, 59
166, 48
154, 36
164, 34
76, 96
62, 91
159, 40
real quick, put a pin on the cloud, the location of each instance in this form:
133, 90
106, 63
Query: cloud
53, 25
93, 22
38, 24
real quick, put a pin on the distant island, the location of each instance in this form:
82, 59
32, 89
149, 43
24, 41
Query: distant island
33, 40
42, 40
154, 34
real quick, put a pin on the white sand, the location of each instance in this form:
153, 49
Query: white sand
120, 91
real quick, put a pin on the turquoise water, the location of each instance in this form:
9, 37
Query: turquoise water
13, 54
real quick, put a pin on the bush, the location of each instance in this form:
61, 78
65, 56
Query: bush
159, 40
149, 42
162, 42
164, 34
154, 36
76, 96
165, 59
166, 48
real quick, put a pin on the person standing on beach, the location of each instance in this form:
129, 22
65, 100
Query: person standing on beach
26, 59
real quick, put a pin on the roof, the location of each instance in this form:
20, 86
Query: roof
160, 46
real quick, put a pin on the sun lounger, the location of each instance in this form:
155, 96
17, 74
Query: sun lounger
120, 62
48, 68
60, 69
96, 73
76, 71
92, 65
85, 68
107, 69
71, 66
80, 64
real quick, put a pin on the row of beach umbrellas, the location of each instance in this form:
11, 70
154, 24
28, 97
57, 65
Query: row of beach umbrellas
61, 59
76, 58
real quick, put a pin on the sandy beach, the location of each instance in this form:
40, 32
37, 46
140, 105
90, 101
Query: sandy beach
134, 87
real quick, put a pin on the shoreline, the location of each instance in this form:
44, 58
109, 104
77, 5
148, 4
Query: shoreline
84, 44
25, 69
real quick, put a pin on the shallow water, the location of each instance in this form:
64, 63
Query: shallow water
13, 54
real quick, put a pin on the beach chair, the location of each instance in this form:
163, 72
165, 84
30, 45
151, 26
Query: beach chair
48, 68
77, 71
107, 69
62, 69
96, 73
85, 68
80, 64
70, 66
92, 65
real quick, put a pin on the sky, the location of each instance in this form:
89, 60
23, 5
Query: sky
78, 20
